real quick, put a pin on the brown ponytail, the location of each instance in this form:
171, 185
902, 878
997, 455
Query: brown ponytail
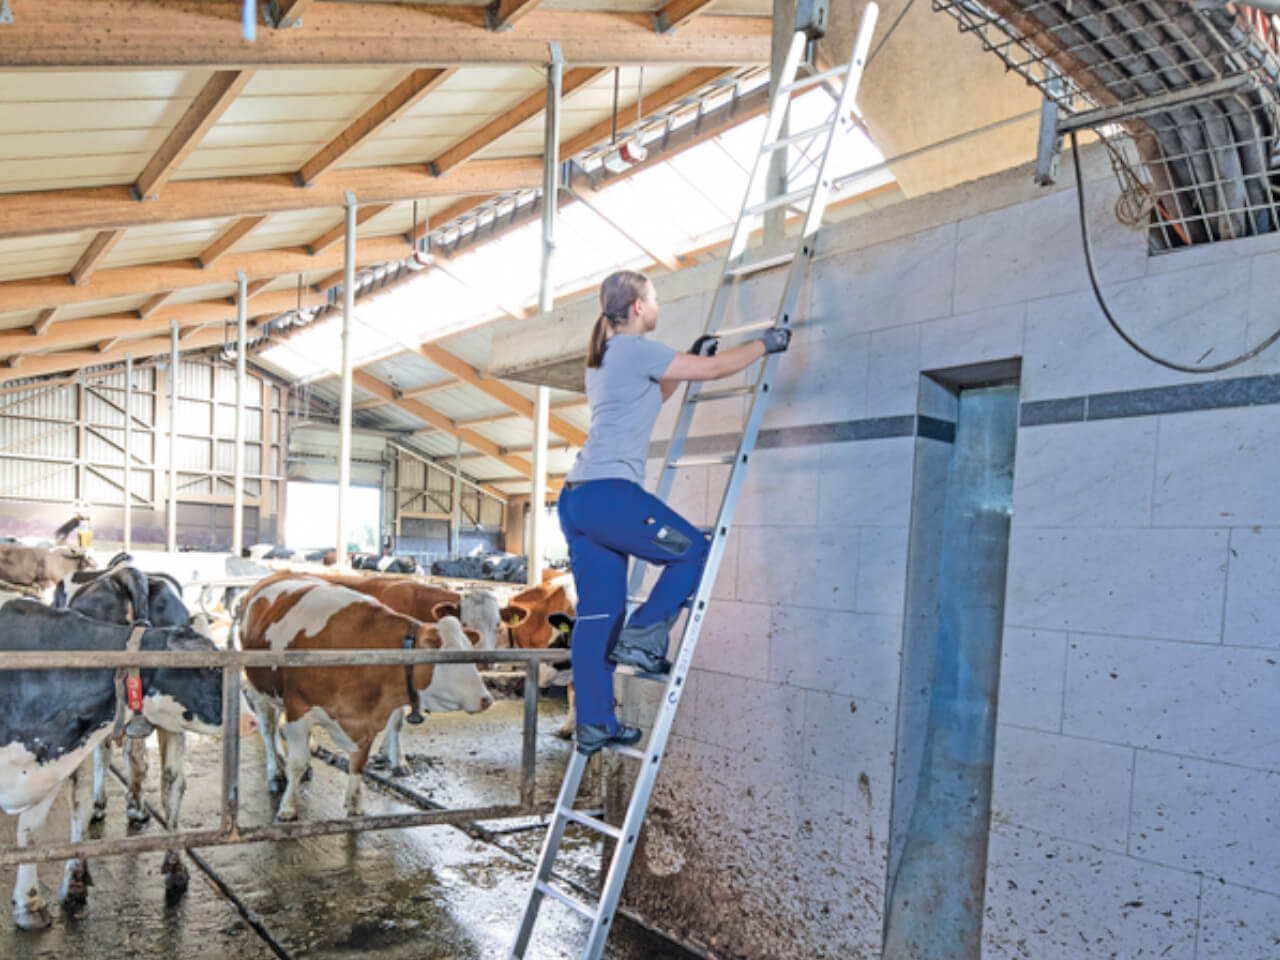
617, 293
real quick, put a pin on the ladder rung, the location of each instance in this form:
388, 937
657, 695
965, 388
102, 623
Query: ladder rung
721, 394
784, 200
631, 752
757, 266
598, 825
568, 901
711, 461
796, 138
745, 328
815, 78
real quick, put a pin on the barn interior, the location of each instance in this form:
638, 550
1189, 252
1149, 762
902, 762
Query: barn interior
988, 661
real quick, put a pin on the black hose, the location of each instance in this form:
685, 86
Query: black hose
1106, 312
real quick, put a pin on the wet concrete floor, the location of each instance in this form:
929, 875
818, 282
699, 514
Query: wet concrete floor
430, 893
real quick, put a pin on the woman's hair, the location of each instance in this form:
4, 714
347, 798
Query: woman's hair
618, 292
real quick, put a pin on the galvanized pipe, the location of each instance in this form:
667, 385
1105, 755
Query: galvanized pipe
529, 755
546, 299
127, 538
237, 495
344, 417
171, 519
230, 748
422, 458
457, 500
150, 659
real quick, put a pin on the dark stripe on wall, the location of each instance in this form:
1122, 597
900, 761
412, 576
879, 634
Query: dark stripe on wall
935, 429
1153, 401
841, 431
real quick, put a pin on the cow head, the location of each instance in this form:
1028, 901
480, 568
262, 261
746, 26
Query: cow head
186, 698
119, 596
164, 596
453, 686
561, 630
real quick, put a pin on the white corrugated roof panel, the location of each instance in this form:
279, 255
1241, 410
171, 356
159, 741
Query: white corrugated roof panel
43, 255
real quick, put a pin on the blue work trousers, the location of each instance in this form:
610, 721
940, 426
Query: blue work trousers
605, 522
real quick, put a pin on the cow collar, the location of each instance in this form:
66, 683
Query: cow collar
129, 720
415, 704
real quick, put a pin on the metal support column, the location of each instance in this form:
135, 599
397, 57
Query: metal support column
775, 185
127, 536
344, 417
546, 299
237, 494
457, 500
171, 540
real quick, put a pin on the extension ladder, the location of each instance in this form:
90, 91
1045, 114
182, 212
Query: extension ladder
736, 268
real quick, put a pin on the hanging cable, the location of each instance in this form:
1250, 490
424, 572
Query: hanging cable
1106, 312
889, 33
617, 77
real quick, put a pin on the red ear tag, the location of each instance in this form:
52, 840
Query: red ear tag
133, 685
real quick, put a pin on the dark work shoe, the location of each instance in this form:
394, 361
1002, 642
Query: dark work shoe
640, 659
645, 647
593, 736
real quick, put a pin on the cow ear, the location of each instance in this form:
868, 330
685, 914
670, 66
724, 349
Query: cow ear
513, 616
446, 609
562, 623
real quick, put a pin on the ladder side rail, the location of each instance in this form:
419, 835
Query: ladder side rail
546, 860
777, 111
848, 96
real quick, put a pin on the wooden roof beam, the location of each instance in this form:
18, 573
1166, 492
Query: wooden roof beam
435, 418
38, 212
288, 13
98, 248
153, 304
502, 15
140, 34
528, 108
205, 110
497, 390
236, 231
405, 95
677, 13
45, 318
54, 291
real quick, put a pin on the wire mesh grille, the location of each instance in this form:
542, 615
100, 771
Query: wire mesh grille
1183, 96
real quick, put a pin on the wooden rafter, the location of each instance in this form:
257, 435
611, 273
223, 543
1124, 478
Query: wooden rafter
505, 14
574, 79
107, 208
407, 92
498, 390
154, 303
209, 105
435, 418
677, 13
255, 287
234, 232
334, 234
143, 33
98, 248
54, 291
412, 394
637, 232
513, 415
45, 318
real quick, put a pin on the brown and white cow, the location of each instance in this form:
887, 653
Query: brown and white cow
536, 632
351, 703
478, 610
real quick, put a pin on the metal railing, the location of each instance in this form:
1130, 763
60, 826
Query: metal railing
231, 662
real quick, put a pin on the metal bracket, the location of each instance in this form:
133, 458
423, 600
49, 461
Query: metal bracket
274, 16
1049, 143
6, 15
811, 17
662, 23
493, 18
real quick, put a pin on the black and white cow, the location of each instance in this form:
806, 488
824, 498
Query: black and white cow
51, 721
123, 594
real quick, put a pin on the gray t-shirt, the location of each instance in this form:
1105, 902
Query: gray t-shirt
625, 399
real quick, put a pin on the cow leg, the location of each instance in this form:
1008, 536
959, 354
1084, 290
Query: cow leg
571, 718
173, 784
355, 777
268, 719
75, 879
101, 765
29, 911
392, 746
297, 735
135, 772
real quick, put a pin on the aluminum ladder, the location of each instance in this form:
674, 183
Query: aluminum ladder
737, 267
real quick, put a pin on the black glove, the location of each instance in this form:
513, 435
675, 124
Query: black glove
776, 340
705, 346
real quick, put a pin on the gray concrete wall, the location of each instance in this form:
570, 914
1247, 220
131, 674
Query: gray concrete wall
1134, 806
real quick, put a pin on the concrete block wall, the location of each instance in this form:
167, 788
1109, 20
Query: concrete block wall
1134, 808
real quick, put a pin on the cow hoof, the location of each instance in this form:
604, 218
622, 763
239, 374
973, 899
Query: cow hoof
34, 916
138, 816
565, 733
99, 813
286, 816
176, 878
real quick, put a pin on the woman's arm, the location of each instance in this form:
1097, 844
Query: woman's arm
686, 366
668, 387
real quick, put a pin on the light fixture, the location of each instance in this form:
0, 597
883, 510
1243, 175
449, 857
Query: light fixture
625, 156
